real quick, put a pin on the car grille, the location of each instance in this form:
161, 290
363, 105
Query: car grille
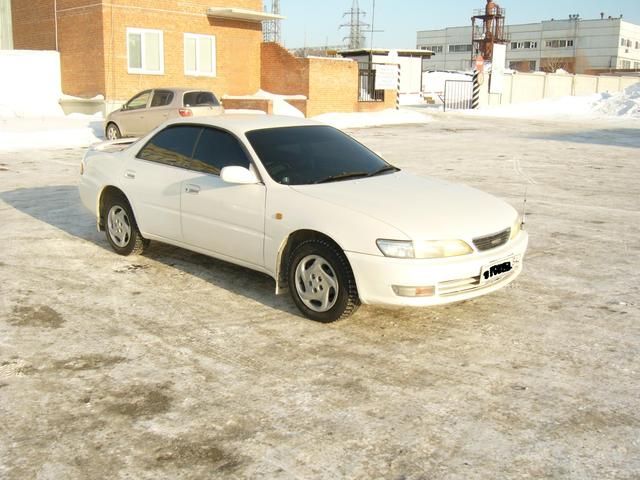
465, 285
494, 240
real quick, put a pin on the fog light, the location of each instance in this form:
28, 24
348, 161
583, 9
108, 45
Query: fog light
414, 291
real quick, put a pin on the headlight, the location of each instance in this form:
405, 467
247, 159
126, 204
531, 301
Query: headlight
442, 248
423, 249
516, 228
396, 248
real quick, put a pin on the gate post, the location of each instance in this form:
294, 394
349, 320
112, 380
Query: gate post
398, 92
475, 99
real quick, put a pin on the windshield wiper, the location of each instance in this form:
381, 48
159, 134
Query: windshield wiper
343, 176
386, 168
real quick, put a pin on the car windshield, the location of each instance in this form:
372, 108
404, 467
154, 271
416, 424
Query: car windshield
314, 154
200, 99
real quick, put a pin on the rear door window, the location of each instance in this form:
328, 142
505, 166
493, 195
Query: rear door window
217, 149
172, 146
161, 98
200, 99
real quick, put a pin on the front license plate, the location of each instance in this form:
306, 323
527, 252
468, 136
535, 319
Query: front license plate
496, 271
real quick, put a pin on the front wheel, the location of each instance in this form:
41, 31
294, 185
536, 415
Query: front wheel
321, 281
121, 228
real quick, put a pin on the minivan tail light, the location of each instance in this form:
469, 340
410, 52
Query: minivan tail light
185, 112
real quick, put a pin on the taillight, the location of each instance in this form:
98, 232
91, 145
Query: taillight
185, 112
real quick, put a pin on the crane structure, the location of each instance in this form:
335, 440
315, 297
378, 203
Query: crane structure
271, 29
357, 26
487, 30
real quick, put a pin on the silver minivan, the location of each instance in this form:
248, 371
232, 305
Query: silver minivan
148, 109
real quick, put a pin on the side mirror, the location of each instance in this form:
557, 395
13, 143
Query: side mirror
239, 175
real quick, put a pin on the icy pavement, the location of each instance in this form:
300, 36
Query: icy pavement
174, 365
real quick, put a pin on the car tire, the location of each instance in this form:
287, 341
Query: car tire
321, 281
121, 228
112, 132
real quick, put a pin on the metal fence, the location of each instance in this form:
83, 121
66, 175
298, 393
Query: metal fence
458, 95
367, 84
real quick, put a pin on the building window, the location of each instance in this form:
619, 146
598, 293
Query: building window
626, 64
434, 48
623, 42
559, 43
199, 55
637, 45
145, 52
520, 45
460, 48
636, 65
629, 43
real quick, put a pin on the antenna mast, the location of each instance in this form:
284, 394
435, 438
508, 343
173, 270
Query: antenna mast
271, 31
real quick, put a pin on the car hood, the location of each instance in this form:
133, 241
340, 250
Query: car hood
421, 207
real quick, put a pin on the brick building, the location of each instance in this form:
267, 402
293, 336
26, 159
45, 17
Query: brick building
116, 48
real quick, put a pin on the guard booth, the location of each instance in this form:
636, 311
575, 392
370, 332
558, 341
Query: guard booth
410, 62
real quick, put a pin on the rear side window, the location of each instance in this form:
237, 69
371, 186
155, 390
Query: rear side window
161, 98
200, 99
172, 146
216, 150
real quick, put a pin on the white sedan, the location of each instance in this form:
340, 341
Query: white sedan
305, 203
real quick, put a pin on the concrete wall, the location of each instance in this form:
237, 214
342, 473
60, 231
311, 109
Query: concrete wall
525, 87
6, 29
33, 87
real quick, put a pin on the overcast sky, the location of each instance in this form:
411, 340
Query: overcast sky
316, 22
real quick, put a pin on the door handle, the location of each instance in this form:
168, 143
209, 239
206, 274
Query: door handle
194, 189
130, 174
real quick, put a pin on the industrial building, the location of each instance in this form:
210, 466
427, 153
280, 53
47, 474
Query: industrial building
577, 45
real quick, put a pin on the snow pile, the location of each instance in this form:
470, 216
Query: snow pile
411, 99
280, 104
75, 130
30, 84
551, 107
363, 120
599, 105
433, 82
625, 104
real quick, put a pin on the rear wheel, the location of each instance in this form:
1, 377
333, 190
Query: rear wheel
121, 228
321, 281
113, 132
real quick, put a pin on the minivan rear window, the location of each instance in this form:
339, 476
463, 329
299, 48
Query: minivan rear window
200, 99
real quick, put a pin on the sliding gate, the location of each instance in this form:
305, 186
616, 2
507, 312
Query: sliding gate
458, 95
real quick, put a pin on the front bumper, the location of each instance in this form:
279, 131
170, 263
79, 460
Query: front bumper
454, 279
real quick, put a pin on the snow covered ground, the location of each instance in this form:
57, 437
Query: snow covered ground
175, 365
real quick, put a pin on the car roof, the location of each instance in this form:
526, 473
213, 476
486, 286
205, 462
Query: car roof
243, 123
179, 90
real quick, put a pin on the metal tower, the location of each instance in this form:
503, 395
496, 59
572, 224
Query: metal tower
487, 27
356, 26
271, 31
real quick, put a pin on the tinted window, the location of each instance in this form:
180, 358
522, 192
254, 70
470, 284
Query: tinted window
172, 146
216, 150
139, 101
161, 98
200, 99
304, 155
